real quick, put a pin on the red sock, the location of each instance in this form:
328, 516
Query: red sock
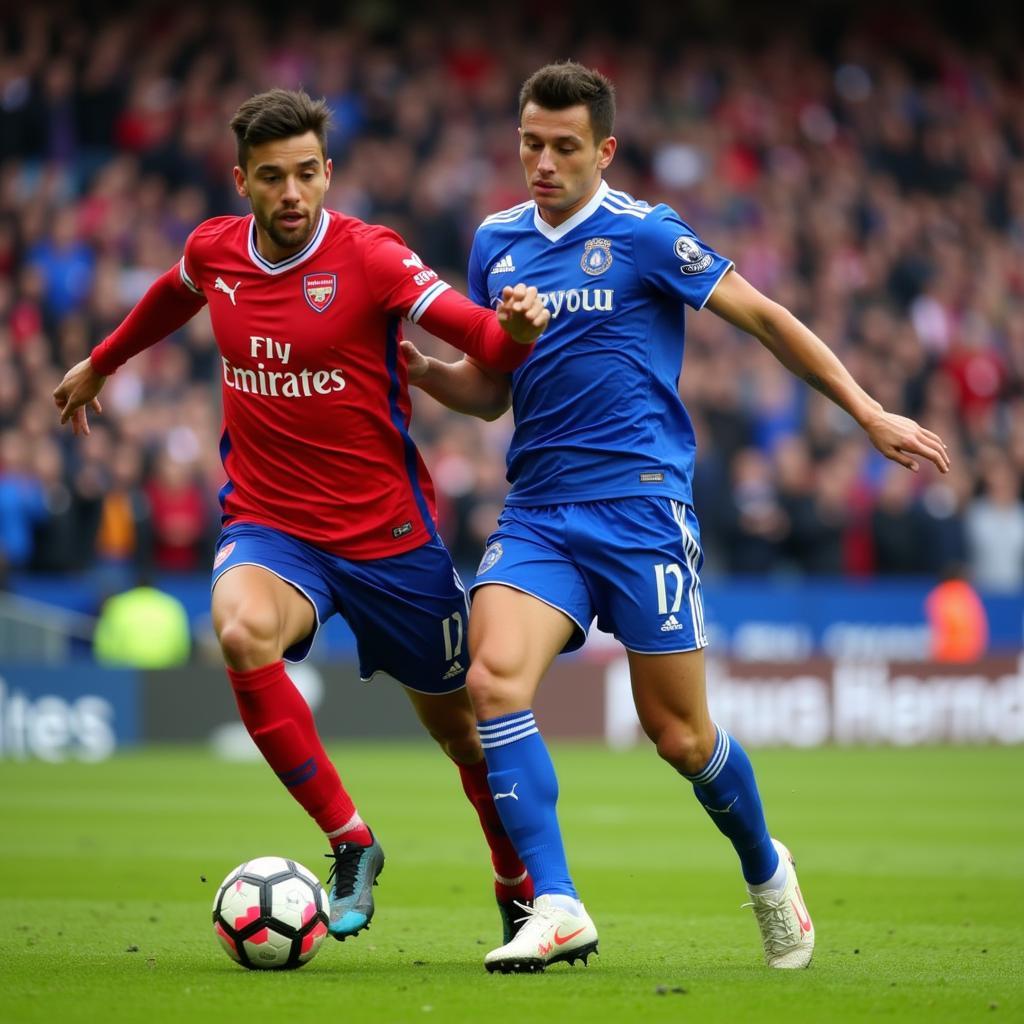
281, 725
513, 883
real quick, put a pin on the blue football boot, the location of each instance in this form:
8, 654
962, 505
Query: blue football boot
351, 881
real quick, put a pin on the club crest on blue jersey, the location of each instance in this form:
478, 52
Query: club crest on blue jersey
597, 256
692, 256
319, 290
491, 556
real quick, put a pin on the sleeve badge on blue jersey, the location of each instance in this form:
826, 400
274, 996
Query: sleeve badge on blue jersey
694, 259
597, 256
319, 290
491, 556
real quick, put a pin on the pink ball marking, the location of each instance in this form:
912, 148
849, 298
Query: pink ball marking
226, 939
252, 914
318, 932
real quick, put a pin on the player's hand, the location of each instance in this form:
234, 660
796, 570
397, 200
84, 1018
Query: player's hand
522, 314
416, 362
76, 393
901, 439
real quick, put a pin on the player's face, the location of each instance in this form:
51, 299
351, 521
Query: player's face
285, 181
562, 159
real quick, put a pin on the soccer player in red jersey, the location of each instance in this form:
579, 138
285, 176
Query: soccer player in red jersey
328, 506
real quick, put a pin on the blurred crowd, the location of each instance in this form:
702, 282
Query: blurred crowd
870, 178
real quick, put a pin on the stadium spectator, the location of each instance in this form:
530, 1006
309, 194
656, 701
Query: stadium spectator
179, 516
995, 529
22, 502
957, 620
66, 265
898, 528
756, 525
57, 542
794, 472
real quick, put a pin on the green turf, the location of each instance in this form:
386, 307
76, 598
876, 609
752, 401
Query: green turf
912, 862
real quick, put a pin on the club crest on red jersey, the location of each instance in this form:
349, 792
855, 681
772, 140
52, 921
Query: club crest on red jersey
223, 554
319, 290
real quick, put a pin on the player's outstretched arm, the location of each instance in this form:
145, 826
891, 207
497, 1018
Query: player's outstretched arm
500, 339
803, 353
167, 305
465, 386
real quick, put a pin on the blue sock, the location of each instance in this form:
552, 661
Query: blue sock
525, 789
727, 790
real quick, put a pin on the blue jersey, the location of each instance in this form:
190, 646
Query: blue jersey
597, 407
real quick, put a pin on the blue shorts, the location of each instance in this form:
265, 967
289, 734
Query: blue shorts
634, 563
408, 613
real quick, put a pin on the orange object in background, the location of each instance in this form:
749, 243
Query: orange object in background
958, 621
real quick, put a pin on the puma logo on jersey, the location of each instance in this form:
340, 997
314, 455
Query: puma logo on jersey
220, 286
424, 274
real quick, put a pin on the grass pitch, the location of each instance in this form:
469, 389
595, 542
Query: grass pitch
912, 862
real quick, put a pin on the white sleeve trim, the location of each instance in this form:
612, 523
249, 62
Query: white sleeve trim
422, 304
186, 280
725, 270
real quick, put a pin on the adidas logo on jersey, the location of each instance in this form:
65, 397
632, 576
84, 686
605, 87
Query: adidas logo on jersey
504, 265
455, 670
670, 624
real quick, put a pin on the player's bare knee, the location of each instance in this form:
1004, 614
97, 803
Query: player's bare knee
491, 687
683, 748
247, 642
481, 685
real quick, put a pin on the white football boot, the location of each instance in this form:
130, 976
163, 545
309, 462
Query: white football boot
548, 934
786, 928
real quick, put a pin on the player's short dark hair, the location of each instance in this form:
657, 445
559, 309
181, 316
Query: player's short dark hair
568, 84
279, 114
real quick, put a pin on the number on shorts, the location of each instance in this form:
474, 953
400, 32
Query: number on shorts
660, 572
453, 630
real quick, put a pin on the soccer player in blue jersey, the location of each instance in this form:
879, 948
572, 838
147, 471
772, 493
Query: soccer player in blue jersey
599, 521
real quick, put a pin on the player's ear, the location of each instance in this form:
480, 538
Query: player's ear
241, 186
606, 151
328, 168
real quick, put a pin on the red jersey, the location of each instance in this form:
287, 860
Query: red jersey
316, 403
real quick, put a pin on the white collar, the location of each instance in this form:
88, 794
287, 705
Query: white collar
292, 261
554, 234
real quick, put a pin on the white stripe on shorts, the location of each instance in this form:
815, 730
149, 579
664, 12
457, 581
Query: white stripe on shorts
691, 551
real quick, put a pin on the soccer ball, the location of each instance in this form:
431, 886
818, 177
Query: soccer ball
270, 914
